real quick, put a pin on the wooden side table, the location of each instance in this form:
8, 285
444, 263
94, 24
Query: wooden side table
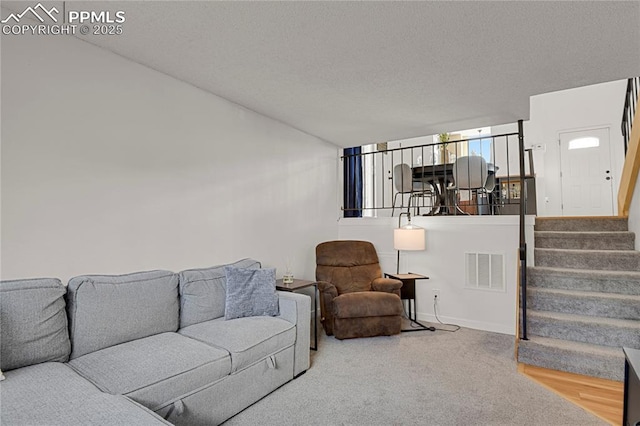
408, 292
298, 285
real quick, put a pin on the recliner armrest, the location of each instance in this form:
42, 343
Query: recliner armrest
328, 292
388, 285
329, 288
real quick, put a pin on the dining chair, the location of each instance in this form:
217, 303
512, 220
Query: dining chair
490, 187
404, 184
470, 173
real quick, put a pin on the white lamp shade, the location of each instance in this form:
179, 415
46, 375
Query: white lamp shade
408, 237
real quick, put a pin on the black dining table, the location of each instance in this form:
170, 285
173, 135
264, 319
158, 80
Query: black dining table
439, 177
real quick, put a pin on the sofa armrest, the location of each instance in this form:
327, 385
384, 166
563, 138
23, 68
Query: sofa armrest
296, 308
388, 285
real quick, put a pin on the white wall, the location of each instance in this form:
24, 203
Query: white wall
448, 238
582, 108
111, 167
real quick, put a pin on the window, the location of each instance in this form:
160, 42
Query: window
483, 148
480, 143
581, 143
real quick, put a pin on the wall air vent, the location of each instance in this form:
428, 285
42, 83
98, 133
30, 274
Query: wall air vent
484, 271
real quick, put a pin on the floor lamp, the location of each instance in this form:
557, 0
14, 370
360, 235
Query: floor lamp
409, 237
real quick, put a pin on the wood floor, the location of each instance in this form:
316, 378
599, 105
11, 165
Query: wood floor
603, 398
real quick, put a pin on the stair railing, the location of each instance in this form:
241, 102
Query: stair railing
523, 241
631, 135
629, 110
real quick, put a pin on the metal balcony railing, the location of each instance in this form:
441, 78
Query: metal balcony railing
421, 179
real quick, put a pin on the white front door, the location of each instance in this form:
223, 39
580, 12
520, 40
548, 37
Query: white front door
585, 166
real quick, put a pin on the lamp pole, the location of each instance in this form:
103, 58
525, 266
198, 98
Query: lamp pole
399, 227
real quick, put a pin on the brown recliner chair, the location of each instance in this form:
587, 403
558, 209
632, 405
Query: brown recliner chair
355, 300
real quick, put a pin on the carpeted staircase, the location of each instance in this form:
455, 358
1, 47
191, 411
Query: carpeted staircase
583, 296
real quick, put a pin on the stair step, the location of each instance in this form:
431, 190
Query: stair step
589, 224
586, 329
613, 240
574, 357
611, 260
621, 282
595, 304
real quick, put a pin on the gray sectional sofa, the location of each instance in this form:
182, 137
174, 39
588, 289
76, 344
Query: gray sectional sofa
144, 348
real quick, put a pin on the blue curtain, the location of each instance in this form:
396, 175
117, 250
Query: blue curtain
352, 182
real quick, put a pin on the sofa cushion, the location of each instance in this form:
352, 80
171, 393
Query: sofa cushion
53, 394
105, 310
250, 292
203, 292
33, 322
248, 340
155, 369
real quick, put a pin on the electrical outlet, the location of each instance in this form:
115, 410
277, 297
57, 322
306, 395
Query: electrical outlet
436, 293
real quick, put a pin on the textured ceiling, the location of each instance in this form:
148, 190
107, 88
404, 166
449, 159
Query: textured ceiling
360, 72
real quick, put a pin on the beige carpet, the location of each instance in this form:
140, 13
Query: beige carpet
421, 378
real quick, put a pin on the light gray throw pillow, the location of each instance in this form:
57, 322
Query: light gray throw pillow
250, 292
203, 292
